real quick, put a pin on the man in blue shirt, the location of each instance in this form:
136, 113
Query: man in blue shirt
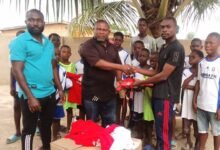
34, 66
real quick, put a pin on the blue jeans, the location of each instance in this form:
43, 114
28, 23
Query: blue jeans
163, 113
106, 109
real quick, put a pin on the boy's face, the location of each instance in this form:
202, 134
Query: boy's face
118, 41
153, 61
196, 45
65, 53
57, 54
143, 57
142, 27
156, 31
56, 41
137, 48
211, 45
194, 58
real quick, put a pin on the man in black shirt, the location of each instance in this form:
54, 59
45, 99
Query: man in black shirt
167, 80
101, 65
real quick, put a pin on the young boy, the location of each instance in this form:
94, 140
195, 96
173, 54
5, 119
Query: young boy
138, 109
17, 107
65, 53
154, 60
148, 41
189, 80
123, 54
196, 44
59, 111
206, 100
137, 47
156, 33
125, 59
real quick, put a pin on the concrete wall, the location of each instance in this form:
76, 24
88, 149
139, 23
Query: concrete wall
60, 28
74, 43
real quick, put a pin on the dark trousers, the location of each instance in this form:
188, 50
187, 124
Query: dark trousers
163, 113
106, 109
30, 122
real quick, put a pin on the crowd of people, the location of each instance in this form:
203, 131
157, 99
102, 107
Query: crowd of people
162, 80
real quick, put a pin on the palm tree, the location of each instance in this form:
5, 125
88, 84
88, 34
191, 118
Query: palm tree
121, 15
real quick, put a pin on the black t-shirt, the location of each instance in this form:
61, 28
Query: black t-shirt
172, 54
98, 82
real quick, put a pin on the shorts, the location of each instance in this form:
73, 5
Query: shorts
203, 120
59, 112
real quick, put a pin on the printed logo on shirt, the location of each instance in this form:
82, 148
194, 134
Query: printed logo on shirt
208, 75
175, 56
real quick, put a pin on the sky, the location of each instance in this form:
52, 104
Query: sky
10, 18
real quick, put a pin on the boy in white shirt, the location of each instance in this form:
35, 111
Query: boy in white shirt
149, 41
206, 100
125, 59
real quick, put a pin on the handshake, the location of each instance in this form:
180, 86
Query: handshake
128, 69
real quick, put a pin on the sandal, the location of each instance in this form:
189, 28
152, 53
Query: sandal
180, 136
13, 139
187, 147
37, 131
173, 144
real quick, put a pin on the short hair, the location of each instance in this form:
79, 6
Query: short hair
36, 11
146, 50
196, 40
171, 18
215, 34
119, 34
102, 21
53, 34
65, 46
139, 42
199, 53
154, 53
144, 20
19, 32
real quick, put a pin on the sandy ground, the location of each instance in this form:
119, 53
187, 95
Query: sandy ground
7, 125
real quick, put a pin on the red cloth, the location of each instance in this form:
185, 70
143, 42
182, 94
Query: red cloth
75, 92
87, 133
128, 83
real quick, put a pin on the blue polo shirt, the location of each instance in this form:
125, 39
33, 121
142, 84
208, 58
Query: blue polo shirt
37, 58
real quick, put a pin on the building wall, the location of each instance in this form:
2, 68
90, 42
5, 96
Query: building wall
74, 43
60, 28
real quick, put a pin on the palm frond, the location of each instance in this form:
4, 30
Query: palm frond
137, 6
199, 9
121, 15
163, 9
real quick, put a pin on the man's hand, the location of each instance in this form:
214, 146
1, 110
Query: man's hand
34, 105
62, 96
137, 83
218, 114
127, 69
